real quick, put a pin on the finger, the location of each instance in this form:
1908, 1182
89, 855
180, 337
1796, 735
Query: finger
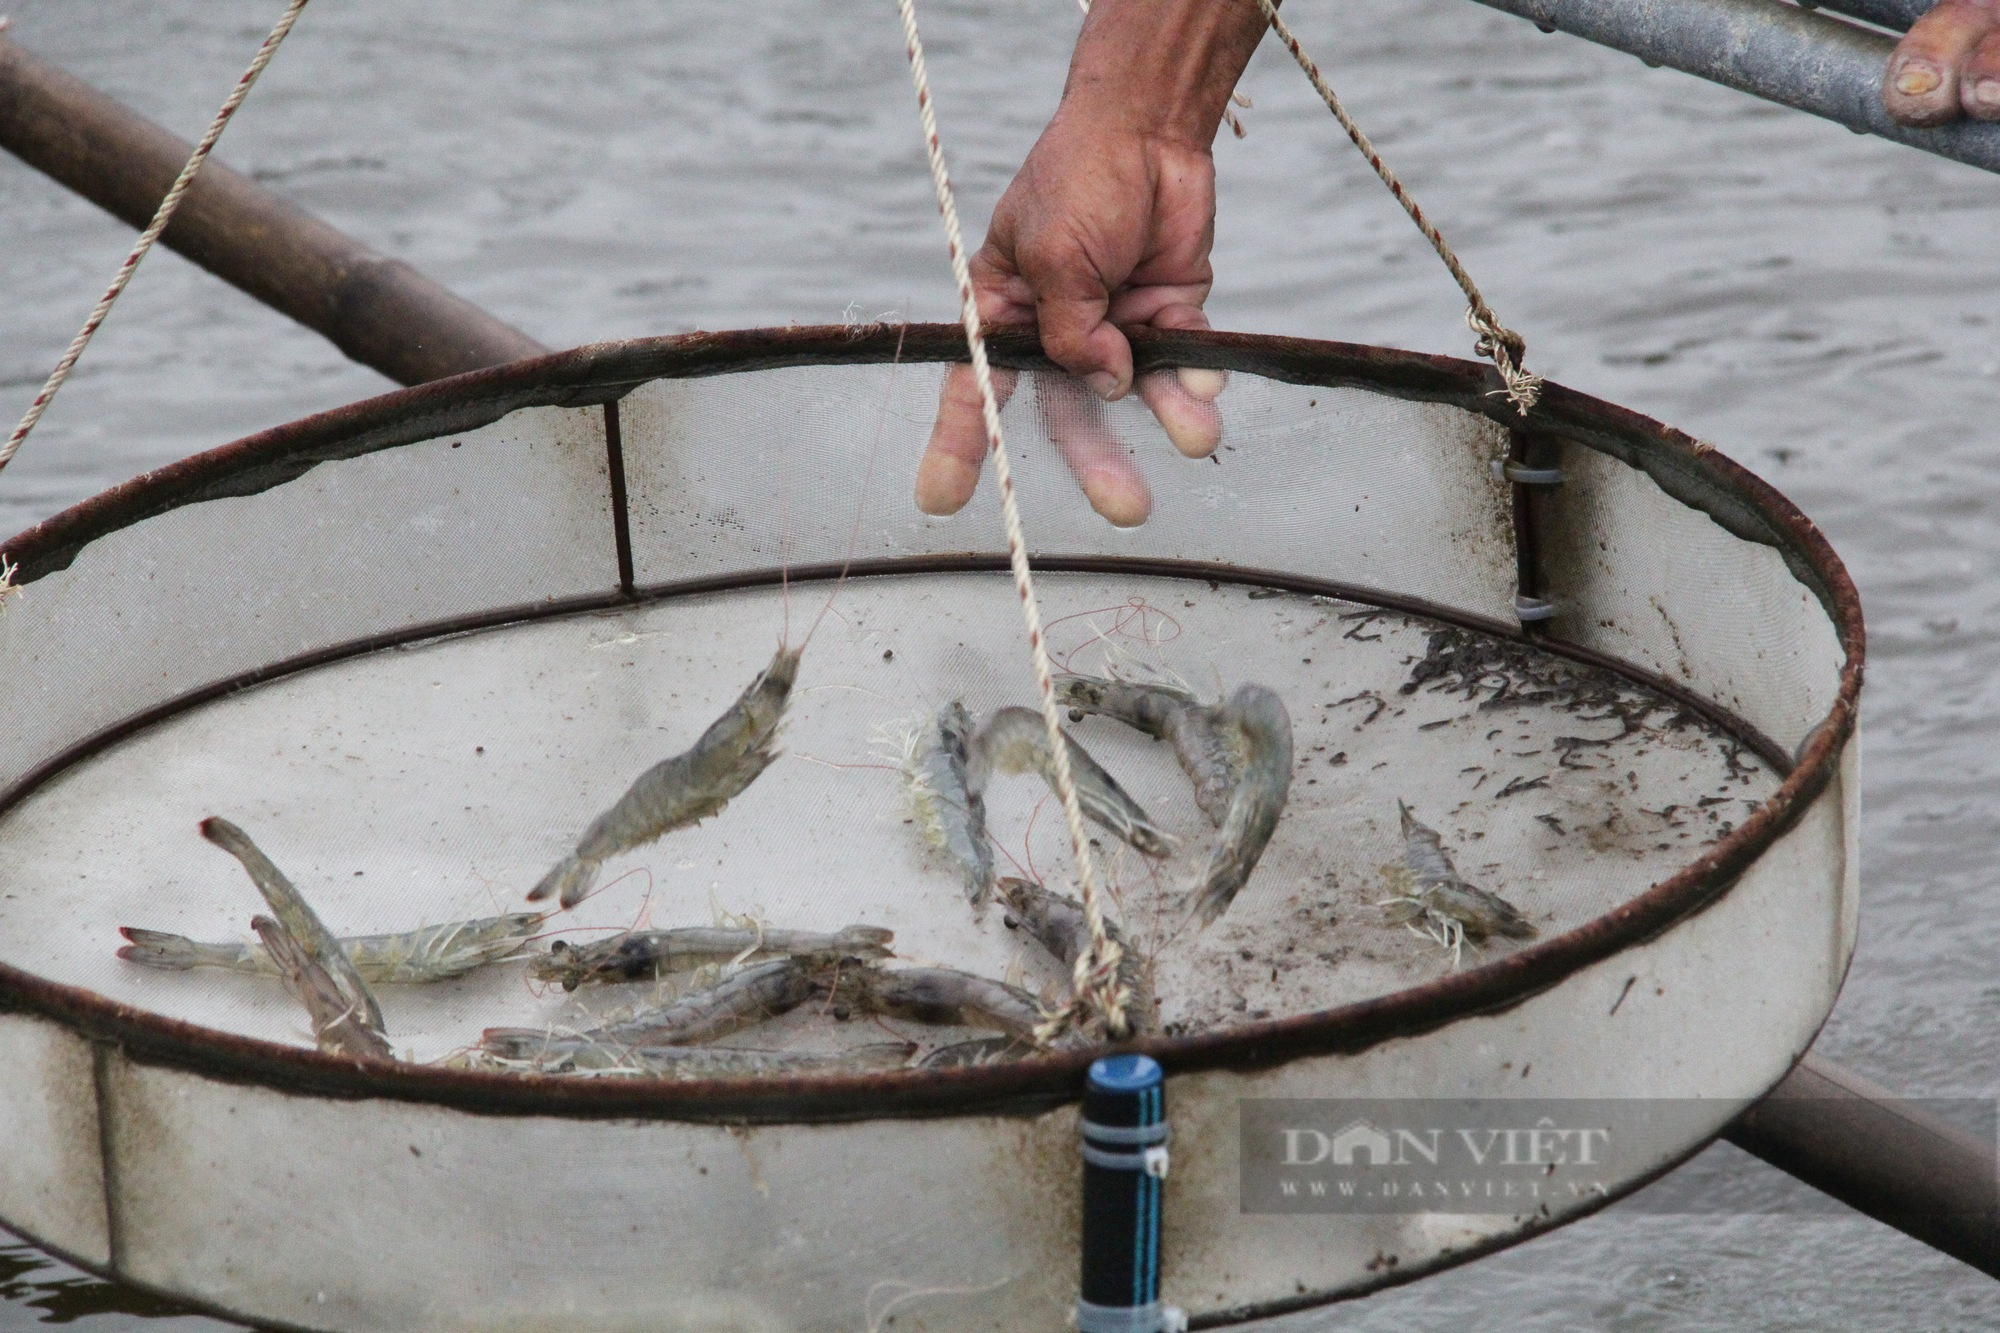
1921, 84
1979, 79
1207, 385
949, 471
1071, 305
1192, 422
1184, 399
1102, 466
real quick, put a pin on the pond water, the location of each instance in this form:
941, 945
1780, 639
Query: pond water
1821, 307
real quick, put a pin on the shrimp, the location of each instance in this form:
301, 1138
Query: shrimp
1437, 902
687, 788
941, 996
951, 815
1210, 752
1258, 716
429, 953
750, 996
1015, 740
339, 1025
316, 943
1238, 754
728, 757
646, 954
582, 1053
1058, 924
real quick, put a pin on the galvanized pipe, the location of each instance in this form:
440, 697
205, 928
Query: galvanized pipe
1885, 1157
377, 310
1779, 52
1895, 15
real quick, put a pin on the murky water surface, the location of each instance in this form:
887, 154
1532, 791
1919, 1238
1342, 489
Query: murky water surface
1820, 306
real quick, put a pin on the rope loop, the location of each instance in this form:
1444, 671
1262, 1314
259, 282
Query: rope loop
1506, 350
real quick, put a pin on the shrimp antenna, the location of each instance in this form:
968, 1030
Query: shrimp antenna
867, 476
784, 557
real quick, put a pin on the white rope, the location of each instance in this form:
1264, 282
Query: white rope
1500, 344
151, 234
1096, 983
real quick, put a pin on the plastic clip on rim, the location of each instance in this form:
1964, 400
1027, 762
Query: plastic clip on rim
1125, 1137
1528, 608
1522, 475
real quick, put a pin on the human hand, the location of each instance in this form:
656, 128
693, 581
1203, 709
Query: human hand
1947, 66
1109, 222
1102, 226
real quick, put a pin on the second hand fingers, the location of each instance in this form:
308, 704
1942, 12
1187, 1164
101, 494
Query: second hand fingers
1183, 400
1920, 86
1979, 79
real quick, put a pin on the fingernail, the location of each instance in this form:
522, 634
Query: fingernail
1915, 80
1204, 384
1986, 92
1124, 502
1104, 384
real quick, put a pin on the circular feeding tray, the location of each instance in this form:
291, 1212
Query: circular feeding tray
413, 648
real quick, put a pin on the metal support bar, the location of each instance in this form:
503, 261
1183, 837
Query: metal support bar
377, 310
1779, 52
1897, 1163
1895, 15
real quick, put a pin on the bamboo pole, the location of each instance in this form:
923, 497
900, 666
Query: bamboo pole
1880, 1155
377, 310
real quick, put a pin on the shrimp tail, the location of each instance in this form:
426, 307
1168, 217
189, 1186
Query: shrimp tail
1256, 804
567, 882
158, 949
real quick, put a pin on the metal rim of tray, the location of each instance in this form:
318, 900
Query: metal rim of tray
602, 373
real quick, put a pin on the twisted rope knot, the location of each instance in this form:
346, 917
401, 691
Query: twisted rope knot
1505, 349
1095, 989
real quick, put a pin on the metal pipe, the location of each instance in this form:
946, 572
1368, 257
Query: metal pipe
1882, 1156
1776, 51
1895, 15
377, 310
